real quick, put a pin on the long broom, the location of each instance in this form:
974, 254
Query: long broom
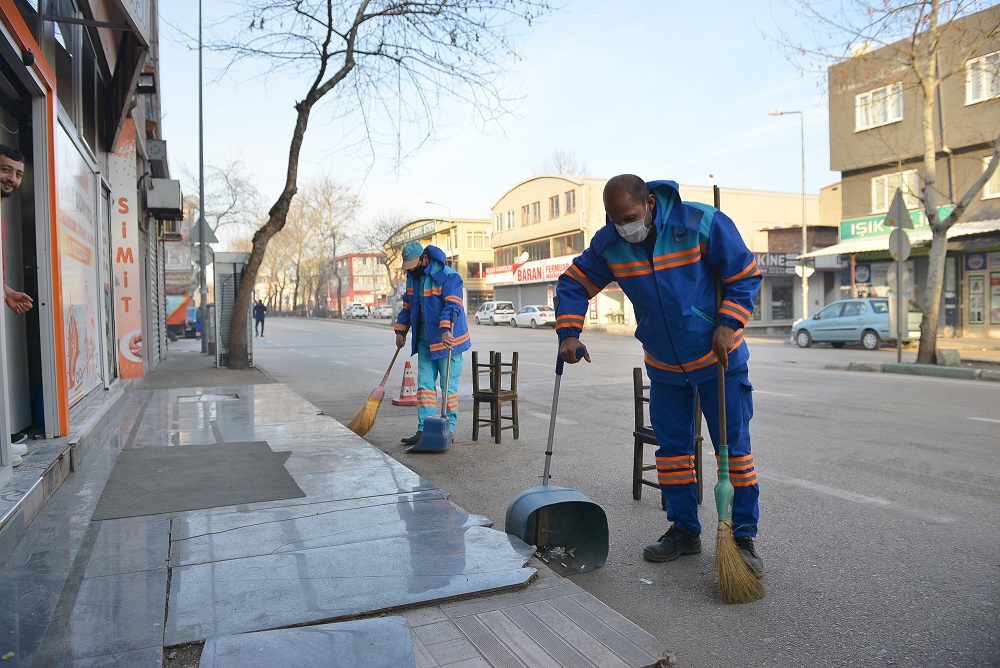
737, 583
365, 419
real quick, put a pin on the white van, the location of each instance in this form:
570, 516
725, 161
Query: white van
494, 313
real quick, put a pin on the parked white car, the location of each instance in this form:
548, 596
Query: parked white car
534, 317
356, 310
383, 311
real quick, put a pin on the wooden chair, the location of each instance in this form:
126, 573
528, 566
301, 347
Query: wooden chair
494, 394
643, 436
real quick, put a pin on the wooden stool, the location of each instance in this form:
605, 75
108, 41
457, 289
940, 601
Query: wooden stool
494, 394
643, 435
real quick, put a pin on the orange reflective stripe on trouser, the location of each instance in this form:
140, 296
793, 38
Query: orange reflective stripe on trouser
675, 470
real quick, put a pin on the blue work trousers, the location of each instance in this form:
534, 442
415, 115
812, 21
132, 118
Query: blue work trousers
429, 374
671, 414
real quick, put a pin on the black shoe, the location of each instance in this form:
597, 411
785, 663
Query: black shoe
749, 554
412, 440
675, 543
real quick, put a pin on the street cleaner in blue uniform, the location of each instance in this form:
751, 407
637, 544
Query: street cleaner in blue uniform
665, 255
434, 310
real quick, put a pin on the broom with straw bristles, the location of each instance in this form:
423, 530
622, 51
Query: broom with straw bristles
737, 583
363, 421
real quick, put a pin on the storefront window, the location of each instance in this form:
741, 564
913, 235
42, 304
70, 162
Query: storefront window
537, 251
571, 244
757, 315
781, 299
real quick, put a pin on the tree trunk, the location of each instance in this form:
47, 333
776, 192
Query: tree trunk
238, 354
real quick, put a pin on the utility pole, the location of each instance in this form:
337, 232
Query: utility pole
202, 286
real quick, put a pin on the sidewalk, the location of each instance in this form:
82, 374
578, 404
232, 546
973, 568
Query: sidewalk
214, 518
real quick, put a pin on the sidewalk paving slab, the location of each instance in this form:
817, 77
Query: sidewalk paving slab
369, 537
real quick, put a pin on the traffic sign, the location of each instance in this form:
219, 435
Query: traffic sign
899, 245
898, 215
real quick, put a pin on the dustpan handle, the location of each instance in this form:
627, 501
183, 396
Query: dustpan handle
446, 384
555, 406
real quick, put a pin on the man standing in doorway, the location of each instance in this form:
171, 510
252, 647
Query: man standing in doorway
434, 310
259, 313
666, 255
11, 173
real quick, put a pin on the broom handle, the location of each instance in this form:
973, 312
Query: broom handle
385, 378
723, 438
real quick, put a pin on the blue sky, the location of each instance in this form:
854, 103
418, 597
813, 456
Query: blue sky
661, 89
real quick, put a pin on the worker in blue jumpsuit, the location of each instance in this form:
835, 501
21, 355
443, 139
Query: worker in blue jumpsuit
666, 254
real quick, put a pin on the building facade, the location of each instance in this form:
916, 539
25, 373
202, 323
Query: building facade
466, 245
541, 224
876, 142
358, 278
78, 83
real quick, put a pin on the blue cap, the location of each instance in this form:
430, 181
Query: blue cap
411, 254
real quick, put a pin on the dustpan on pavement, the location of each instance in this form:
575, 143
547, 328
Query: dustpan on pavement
569, 530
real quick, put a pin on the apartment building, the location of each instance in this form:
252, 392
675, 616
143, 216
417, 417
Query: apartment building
876, 142
466, 245
542, 223
357, 278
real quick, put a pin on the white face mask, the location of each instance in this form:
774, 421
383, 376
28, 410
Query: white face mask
634, 232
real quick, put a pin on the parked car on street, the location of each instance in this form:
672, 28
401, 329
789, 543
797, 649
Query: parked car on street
383, 311
864, 320
356, 310
534, 317
494, 312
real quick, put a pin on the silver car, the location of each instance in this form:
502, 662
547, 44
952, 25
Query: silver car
864, 320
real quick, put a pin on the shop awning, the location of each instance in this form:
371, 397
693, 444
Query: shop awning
919, 237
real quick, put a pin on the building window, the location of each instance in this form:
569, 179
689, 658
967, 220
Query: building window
884, 189
536, 212
571, 244
476, 241
525, 215
538, 250
478, 269
498, 223
571, 201
510, 219
878, 107
992, 187
505, 256
982, 78
554, 207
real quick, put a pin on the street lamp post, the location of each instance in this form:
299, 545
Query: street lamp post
805, 229
202, 285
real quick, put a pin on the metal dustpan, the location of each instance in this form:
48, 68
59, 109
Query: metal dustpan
569, 530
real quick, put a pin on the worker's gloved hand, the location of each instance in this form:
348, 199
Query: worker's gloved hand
400, 340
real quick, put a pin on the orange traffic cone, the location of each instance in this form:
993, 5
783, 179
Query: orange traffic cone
408, 392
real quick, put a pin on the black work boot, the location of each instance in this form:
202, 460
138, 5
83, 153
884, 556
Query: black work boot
411, 440
675, 543
749, 554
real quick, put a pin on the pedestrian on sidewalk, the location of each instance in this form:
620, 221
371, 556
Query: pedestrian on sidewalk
11, 173
666, 254
259, 313
432, 307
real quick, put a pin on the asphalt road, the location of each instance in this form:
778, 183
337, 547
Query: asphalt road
879, 493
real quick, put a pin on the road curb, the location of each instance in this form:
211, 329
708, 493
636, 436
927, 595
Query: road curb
932, 370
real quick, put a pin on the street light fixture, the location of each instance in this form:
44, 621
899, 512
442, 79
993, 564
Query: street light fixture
805, 230
441, 205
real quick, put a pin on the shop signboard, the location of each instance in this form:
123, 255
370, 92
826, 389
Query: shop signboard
875, 226
777, 264
535, 271
125, 253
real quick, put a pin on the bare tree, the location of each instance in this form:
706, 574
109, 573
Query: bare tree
231, 199
376, 238
563, 162
908, 37
393, 62
329, 207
